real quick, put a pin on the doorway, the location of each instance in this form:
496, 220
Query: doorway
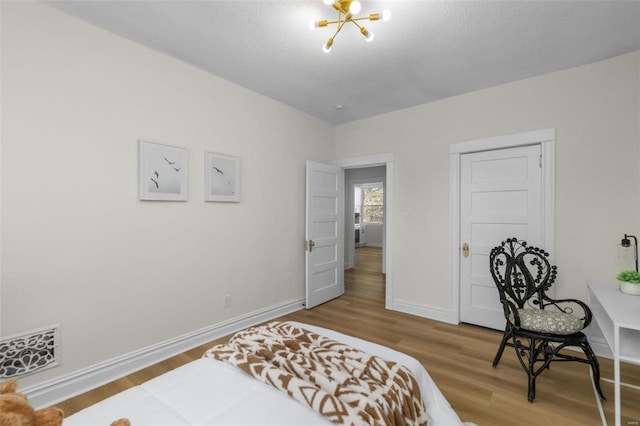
460, 265
499, 199
357, 165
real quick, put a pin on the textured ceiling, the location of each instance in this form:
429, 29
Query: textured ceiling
428, 50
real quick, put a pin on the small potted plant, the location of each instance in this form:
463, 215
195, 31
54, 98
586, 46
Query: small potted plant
629, 282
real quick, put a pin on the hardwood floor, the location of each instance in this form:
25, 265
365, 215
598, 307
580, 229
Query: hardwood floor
458, 358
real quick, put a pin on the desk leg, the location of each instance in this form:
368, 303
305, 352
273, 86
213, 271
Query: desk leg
616, 375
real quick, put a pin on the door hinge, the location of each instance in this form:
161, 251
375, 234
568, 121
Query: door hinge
540, 160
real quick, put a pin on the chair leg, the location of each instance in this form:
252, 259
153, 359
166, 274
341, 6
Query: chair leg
532, 388
595, 368
549, 352
531, 372
506, 336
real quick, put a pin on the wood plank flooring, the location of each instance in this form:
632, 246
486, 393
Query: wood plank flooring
458, 358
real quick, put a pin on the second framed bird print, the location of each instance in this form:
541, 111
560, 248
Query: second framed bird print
221, 177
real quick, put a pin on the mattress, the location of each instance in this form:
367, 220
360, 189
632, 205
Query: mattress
209, 392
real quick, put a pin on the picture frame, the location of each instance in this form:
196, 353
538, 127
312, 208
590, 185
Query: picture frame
221, 177
163, 172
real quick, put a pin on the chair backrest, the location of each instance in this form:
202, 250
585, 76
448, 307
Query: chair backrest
521, 273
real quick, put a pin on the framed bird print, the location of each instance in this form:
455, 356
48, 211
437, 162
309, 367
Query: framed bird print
221, 177
163, 172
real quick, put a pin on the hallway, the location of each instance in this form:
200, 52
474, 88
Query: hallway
365, 281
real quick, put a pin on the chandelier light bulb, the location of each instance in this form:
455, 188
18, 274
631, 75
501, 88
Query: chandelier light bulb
355, 7
317, 24
386, 15
328, 2
326, 48
367, 34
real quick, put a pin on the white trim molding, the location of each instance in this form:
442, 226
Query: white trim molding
504, 141
65, 387
431, 312
546, 138
365, 161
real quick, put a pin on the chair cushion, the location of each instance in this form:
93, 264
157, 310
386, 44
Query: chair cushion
547, 321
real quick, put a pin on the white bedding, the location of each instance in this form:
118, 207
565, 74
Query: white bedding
209, 392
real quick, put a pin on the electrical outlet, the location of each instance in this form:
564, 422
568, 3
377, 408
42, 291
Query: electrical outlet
226, 300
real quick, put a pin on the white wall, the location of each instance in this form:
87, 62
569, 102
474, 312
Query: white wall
594, 109
78, 247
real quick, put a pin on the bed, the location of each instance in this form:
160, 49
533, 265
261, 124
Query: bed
210, 392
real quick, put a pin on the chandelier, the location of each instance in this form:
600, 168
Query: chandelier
347, 9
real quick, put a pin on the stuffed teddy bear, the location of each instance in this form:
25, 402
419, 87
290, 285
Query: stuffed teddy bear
15, 410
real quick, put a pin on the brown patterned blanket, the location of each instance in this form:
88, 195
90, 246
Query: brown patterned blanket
345, 385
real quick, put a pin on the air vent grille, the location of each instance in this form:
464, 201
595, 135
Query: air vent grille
28, 353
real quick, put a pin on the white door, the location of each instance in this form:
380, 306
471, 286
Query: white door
500, 197
324, 238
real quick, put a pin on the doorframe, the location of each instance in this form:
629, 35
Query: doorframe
546, 138
385, 159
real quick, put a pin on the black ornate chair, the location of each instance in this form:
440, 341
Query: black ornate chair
538, 327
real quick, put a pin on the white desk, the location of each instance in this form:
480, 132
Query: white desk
618, 316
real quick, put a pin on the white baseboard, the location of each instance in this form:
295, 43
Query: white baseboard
425, 311
73, 384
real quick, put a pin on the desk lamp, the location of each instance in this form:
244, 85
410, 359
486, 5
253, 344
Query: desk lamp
626, 243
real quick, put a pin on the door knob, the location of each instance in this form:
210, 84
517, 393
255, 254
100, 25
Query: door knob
308, 245
465, 250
